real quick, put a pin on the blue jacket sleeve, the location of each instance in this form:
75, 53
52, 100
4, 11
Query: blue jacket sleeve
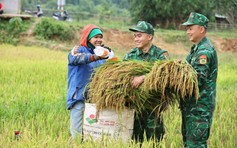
81, 56
79, 59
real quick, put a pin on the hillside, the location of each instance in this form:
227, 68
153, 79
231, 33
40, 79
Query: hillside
176, 42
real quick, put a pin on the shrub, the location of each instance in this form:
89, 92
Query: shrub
52, 29
15, 26
10, 30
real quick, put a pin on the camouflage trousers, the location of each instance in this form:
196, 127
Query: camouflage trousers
196, 124
149, 126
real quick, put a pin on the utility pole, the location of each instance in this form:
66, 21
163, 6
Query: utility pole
61, 4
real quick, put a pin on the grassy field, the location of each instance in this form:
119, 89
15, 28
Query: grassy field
33, 87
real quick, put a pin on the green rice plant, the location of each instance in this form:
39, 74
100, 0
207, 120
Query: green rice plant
33, 82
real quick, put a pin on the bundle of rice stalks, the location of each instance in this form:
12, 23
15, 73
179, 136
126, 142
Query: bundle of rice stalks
172, 79
110, 86
165, 83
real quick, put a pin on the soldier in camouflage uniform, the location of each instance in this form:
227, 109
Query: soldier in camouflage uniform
147, 123
197, 115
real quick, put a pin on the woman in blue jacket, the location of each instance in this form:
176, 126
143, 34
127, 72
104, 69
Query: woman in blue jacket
81, 63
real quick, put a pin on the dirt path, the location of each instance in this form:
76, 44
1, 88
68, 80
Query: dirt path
30, 31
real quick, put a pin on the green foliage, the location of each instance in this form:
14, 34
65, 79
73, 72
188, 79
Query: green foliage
167, 14
228, 8
49, 28
176, 11
51, 5
29, 4
164, 12
82, 9
15, 26
11, 30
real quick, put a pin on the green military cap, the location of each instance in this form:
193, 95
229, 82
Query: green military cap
143, 26
197, 19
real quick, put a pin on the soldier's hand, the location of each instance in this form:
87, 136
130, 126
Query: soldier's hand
137, 81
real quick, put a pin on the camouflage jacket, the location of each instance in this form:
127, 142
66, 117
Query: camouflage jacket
154, 54
203, 59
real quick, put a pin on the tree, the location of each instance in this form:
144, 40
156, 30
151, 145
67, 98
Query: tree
168, 13
228, 8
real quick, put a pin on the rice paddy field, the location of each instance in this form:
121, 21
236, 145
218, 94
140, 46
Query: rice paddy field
33, 87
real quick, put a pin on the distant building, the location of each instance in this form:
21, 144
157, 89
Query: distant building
11, 6
221, 19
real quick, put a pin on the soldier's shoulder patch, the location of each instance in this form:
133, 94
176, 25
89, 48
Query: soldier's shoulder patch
202, 59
